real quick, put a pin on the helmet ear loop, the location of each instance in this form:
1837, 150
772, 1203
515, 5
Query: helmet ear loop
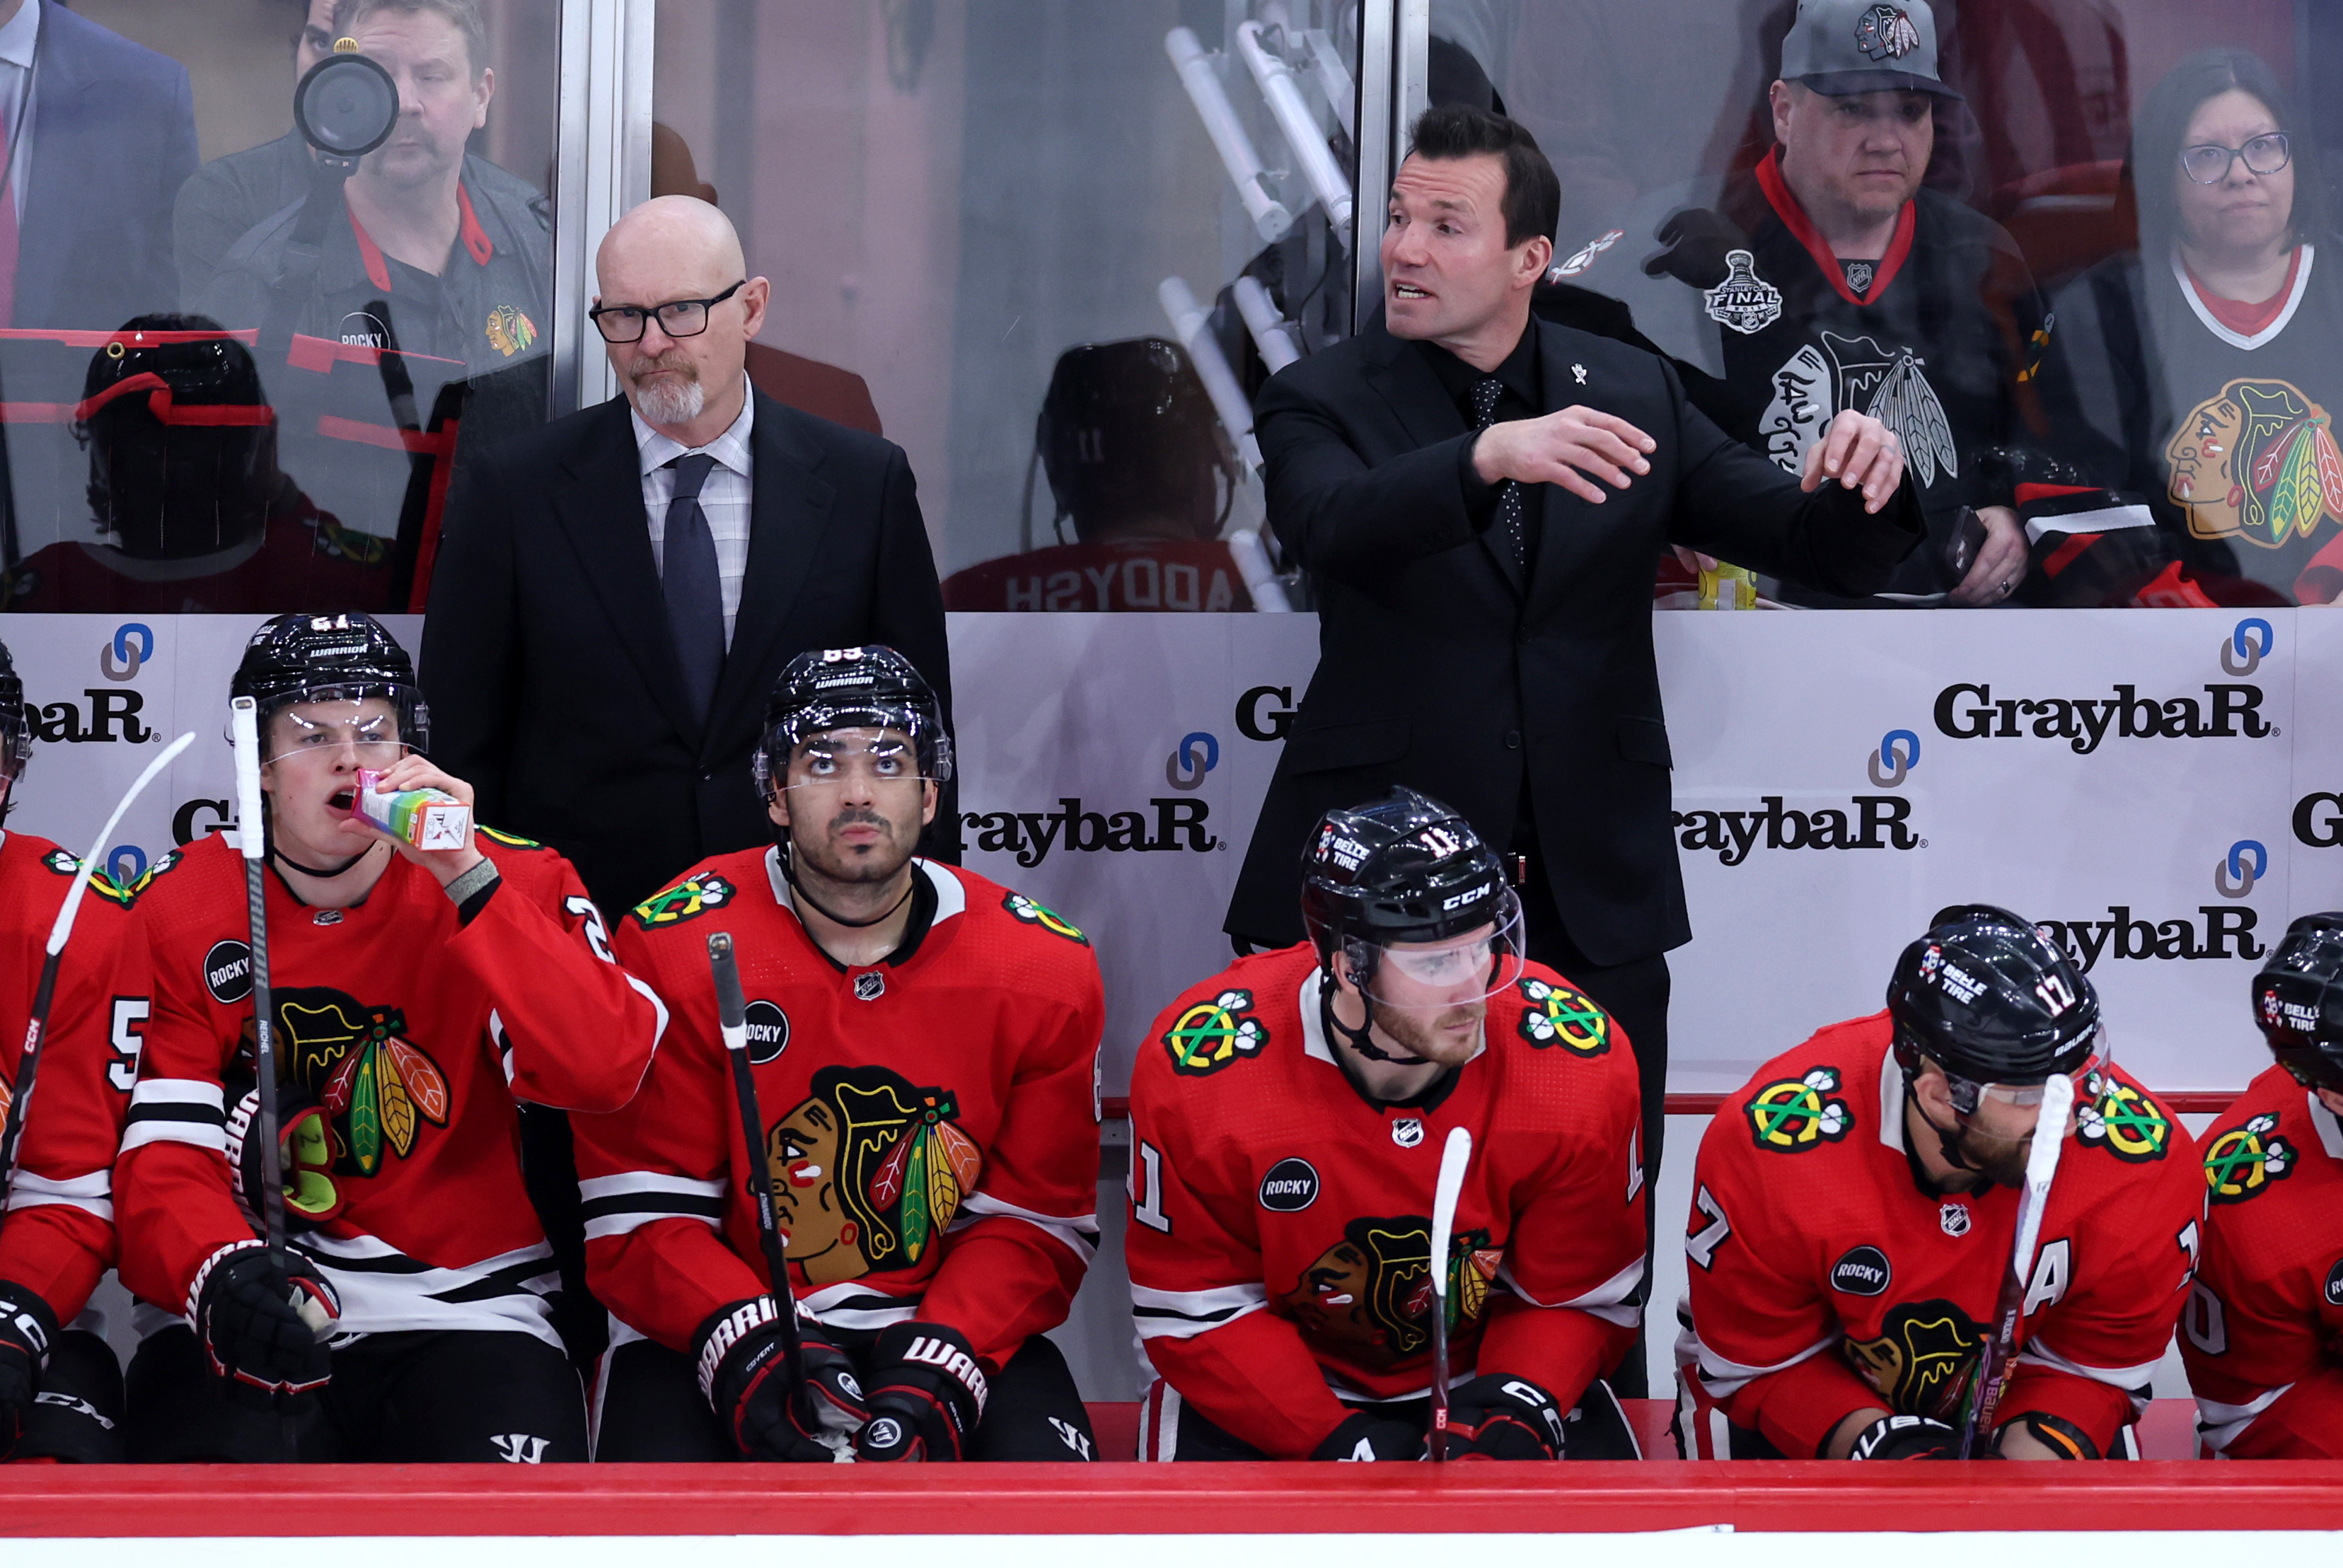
1910, 1060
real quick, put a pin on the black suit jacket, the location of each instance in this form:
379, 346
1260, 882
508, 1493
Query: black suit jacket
1439, 669
554, 686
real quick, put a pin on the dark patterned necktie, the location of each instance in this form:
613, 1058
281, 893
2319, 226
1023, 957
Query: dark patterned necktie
1509, 494
694, 589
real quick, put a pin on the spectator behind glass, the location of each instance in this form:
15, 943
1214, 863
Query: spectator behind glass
442, 253
225, 198
1829, 279
1136, 462
189, 512
2194, 374
92, 160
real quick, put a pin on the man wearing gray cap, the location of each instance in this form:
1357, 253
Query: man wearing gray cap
1830, 279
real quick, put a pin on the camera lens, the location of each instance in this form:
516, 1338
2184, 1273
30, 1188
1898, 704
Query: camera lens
347, 106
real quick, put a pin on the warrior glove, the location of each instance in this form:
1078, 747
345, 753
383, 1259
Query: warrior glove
1911, 1437
744, 1376
27, 1329
927, 1394
1364, 1435
1500, 1417
264, 1325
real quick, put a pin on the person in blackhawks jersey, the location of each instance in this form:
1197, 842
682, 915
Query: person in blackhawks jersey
1287, 1124
925, 1045
1829, 278
1855, 1209
2263, 1332
417, 995
60, 1385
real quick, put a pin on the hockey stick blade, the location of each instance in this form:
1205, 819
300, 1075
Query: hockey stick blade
1454, 1156
1993, 1359
732, 1024
19, 1088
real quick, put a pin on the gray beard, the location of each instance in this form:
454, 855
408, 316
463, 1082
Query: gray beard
670, 403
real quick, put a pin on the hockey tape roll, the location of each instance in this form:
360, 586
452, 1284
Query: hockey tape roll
1454, 1156
244, 734
63, 926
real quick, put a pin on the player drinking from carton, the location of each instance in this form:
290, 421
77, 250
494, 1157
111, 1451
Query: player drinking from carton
1854, 1209
2263, 1332
1288, 1119
417, 995
60, 1385
925, 1044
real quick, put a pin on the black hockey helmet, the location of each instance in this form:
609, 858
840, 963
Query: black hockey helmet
325, 658
1988, 998
2298, 1001
872, 686
181, 438
1405, 868
1126, 431
16, 723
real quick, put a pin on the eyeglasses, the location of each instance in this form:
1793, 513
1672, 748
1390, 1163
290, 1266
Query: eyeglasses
677, 317
2209, 164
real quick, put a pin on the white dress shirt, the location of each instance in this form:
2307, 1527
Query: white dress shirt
725, 497
17, 40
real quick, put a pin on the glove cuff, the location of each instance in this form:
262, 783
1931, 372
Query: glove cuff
195, 1303
27, 1318
745, 1324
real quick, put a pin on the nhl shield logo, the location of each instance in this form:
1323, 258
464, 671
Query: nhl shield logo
1955, 1219
1744, 301
1407, 1131
869, 986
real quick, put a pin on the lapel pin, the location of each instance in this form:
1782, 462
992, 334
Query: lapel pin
1579, 371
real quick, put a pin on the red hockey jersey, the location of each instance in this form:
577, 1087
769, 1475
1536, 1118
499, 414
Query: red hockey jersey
931, 1121
58, 1235
1824, 1281
2263, 1334
418, 1032
1280, 1244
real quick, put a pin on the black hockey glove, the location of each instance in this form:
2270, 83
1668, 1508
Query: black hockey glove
305, 1158
927, 1394
1365, 1436
1500, 1417
743, 1376
1696, 241
1911, 1437
264, 1329
27, 1329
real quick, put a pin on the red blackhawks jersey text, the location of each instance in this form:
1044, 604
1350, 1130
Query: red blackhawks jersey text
931, 1122
1824, 1281
2263, 1332
57, 1238
418, 1033
1280, 1238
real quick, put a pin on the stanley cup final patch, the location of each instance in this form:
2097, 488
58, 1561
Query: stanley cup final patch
1744, 301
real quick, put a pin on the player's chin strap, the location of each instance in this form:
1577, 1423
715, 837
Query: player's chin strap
1945, 1144
790, 875
1357, 1040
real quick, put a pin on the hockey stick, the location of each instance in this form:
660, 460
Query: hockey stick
28, 1061
732, 1022
2041, 1164
1453, 1158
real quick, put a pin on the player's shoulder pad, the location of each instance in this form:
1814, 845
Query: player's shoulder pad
1222, 1021
703, 890
2115, 1114
1551, 1014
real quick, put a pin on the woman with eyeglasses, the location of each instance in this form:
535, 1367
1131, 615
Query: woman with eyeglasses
2199, 371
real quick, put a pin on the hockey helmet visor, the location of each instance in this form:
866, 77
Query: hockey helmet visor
844, 707
320, 682
15, 722
2299, 1002
1988, 998
1405, 889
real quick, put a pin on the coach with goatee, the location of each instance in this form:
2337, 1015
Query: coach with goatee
1481, 499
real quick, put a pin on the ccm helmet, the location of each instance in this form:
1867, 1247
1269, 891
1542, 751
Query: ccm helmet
2299, 1002
16, 724
323, 658
1986, 997
1405, 869
872, 688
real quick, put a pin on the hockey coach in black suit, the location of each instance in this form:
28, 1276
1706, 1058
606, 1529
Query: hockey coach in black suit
1482, 500
617, 592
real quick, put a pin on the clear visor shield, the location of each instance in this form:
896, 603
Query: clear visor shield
869, 758
1968, 1096
15, 744
1455, 971
330, 726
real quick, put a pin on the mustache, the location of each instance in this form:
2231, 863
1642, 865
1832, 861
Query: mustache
860, 815
673, 360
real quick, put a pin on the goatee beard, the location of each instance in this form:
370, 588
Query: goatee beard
671, 402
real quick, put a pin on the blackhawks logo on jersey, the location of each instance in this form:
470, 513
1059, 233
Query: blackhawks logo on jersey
1212, 1034
62, 863
2117, 1117
1923, 1359
2246, 1160
106, 887
377, 1085
2256, 461
1042, 915
868, 1171
1369, 1297
686, 900
1791, 1114
1558, 1015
